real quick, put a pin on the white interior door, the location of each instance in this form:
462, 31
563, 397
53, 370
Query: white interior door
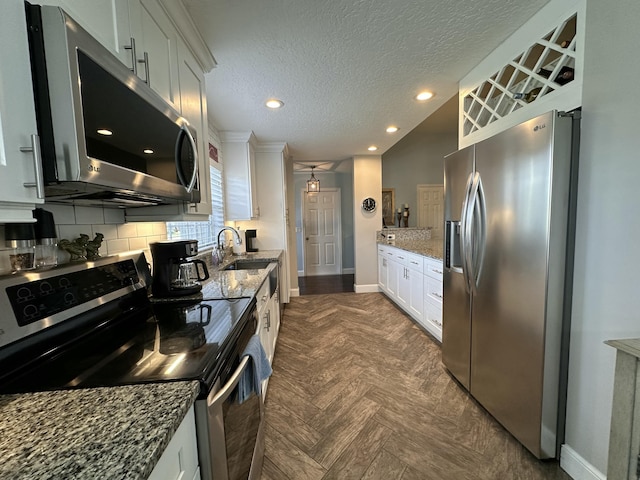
431, 208
322, 233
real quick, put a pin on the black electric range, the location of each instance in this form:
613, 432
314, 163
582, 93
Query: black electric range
92, 324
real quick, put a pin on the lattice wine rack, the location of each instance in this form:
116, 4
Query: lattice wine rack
542, 68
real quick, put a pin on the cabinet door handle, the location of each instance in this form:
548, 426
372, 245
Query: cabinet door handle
437, 295
437, 271
134, 60
147, 80
37, 165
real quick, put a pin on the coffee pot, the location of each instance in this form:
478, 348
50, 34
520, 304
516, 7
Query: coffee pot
175, 274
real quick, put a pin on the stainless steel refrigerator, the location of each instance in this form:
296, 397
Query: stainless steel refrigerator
509, 223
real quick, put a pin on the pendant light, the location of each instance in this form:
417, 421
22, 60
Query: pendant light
313, 184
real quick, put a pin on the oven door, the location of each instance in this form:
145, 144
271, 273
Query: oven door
230, 445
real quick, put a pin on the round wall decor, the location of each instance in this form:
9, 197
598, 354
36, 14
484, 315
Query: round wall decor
369, 204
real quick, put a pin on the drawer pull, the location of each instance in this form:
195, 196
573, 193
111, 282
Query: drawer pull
437, 295
437, 271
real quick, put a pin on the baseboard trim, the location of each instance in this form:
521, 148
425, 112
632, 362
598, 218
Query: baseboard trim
294, 292
577, 467
345, 271
366, 288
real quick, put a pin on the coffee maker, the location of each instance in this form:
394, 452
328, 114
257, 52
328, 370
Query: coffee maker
250, 236
174, 273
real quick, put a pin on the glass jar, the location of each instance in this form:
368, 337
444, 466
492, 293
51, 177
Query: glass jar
20, 238
23, 256
47, 252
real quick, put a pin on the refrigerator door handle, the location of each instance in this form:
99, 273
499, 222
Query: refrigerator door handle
478, 227
466, 232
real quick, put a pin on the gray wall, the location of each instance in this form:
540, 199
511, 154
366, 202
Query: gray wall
605, 294
343, 181
418, 157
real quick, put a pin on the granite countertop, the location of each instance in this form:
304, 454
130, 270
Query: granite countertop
223, 284
238, 283
108, 433
428, 248
627, 345
112, 433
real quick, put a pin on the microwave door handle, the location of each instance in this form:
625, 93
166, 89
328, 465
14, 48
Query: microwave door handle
185, 133
220, 396
37, 165
134, 58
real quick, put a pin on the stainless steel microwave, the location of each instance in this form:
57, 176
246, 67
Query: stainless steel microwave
106, 138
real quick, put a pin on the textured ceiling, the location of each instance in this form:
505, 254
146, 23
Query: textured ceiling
344, 69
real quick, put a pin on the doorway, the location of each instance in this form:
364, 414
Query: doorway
431, 208
322, 232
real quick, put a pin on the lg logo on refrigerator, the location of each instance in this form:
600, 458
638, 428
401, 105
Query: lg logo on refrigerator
93, 168
539, 127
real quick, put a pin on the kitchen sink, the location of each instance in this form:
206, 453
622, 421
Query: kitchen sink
248, 264
257, 264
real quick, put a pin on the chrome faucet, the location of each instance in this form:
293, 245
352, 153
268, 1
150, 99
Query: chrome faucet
218, 250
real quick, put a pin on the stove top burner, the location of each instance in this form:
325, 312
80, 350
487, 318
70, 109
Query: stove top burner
182, 342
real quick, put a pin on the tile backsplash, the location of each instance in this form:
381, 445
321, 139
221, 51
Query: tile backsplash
118, 236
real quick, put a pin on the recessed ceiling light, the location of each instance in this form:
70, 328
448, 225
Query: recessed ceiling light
274, 103
148, 150
392, 129
372, 148
104, 131
422, 96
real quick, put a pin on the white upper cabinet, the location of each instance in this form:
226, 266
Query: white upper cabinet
106, 20
17, 119
194, 108
241, 198
156, 48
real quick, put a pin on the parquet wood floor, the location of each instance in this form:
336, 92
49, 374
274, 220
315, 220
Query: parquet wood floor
359, 392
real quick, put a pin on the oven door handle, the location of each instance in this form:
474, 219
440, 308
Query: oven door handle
221, 395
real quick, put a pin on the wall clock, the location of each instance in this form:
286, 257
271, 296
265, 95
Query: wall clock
369, 204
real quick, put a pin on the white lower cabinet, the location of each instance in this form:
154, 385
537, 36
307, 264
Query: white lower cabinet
416, 297
404, 282
433, 297
180, 459
410, 281
268, 324
383, 270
